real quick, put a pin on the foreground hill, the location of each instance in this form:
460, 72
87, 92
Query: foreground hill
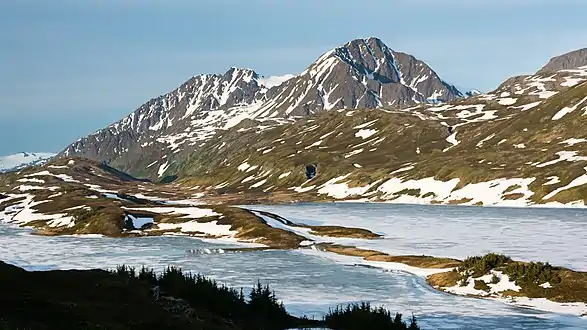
93, 299
77, 196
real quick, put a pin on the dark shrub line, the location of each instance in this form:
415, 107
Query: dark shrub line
523, 273
261, 309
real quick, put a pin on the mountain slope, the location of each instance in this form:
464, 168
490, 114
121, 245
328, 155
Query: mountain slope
23, 159
362, 73
561, 72
529, 157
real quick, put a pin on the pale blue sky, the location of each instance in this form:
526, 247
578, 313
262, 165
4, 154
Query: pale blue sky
70, 67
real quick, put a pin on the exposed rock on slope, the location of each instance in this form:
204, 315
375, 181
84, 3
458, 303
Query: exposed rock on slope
363, 73
571, 60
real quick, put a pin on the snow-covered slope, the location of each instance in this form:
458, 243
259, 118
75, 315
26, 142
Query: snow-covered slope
363, 73
23, 159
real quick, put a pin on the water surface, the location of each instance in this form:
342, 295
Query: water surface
309, 284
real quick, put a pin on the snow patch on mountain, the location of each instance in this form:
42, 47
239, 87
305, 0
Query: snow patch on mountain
273, 81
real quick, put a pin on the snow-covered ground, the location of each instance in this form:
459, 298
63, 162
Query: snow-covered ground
489, 193
191, 224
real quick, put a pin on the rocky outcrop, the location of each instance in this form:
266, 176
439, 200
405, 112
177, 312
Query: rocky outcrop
570, 60
560, 73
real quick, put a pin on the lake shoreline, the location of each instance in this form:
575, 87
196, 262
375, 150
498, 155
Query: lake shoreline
272, 231
381, 260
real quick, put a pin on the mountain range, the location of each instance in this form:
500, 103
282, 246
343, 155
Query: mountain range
362, 73
361, 115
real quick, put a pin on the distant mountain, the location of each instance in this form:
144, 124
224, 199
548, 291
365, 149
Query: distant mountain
467, 91
560, 73
23, 159
363, 73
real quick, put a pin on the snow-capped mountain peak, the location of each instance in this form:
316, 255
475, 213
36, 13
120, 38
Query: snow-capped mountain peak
23, 159
366, 73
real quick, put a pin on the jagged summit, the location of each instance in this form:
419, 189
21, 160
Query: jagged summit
570, 60
362, 73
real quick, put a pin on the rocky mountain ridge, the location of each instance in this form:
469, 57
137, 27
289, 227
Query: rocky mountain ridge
571, 60
362, 73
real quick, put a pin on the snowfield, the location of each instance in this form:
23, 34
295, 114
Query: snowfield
488, 193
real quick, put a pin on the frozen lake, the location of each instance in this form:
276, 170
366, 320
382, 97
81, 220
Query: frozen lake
309, 282
558, 236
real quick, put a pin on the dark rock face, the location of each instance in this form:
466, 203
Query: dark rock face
566, 61
311, 171
362, 73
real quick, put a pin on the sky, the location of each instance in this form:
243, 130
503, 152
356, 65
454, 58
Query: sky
70, 67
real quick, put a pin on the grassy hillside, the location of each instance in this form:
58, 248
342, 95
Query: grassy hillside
543, 148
